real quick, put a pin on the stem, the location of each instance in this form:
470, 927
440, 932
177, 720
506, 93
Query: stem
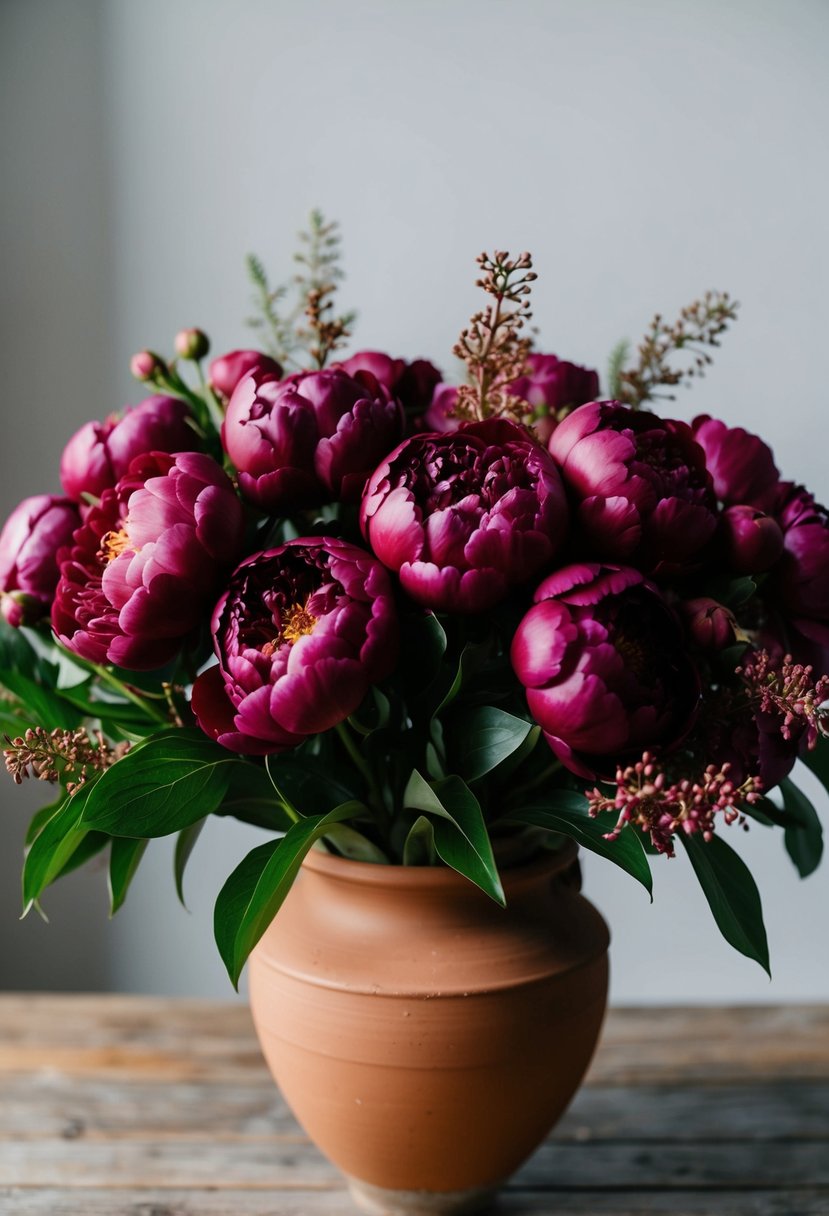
214, 409
360, 763
107, 677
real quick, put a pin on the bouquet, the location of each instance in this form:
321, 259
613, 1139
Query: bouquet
413, 622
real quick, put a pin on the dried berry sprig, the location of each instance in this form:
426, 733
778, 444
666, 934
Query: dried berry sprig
491, 346
789, 691
646, 798
53, 755
698, 328
289, 337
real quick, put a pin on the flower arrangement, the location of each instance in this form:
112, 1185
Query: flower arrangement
408, 621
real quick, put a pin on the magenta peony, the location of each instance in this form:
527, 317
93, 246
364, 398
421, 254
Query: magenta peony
752, 540
29, 543
640, 482
741, 464
800, 581
602, 659
553, 386
439, 417
100, 453
144, 568
226, 371
411, 383
710, 625
311, 438
462, 518
301, 633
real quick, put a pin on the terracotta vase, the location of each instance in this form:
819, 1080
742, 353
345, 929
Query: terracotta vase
426, 1039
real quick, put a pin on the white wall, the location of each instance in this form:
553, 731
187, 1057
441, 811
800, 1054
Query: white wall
643, 151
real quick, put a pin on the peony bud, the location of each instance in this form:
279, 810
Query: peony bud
191, 344
146, 365
753, 540
710, 624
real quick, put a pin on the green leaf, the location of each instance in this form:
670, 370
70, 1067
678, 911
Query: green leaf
172, 779
461, 837
484, 738
565, 811
419, 845
306, 786
185, 844
41, 706
423, 645
254, 892
353, 844
250, 798
732, 895
56, 842
817, 759
803, 836
373, 714
124, 858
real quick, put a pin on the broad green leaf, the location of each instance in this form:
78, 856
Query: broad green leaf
92, 844
817, 760
565, 811
461, 837
250, 798
350, 843
124, 858
185, 843
171, 780
42, 817
41, 706
373, 714
732, 895
419, 845
803, 837
56, 842
254, 892
483, 739
306, 786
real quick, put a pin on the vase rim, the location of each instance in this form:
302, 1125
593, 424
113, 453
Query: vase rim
369, 873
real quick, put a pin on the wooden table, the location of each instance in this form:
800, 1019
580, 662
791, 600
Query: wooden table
135, 1106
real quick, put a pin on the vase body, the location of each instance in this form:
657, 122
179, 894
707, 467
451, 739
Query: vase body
427, 1039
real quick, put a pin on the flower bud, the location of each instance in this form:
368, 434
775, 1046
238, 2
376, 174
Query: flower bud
146, 365
192, 344
226, 371
753, 540
710, 624
18, 608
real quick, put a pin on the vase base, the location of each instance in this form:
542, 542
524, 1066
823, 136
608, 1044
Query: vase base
379, 1201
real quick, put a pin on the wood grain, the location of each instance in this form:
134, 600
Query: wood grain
136, 1106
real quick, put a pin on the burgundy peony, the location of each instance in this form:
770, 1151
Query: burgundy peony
751, 539
146, 564
602, 659
29, 543
800, 580
553, 388
439, 417
301, 633
226, 371
100, 453
464, 517
411, 383
741, 464
642, 488
311, 438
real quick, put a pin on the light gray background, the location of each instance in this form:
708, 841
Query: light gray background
643, 151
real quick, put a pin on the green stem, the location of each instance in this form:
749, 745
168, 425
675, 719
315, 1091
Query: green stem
214, 409
107, 677
375, 793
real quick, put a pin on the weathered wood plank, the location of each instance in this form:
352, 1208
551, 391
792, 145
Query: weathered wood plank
154, 1037
280, 1165
14, 1202
53, 1104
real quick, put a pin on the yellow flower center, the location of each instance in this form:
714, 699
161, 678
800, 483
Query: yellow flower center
298, 622
113, 544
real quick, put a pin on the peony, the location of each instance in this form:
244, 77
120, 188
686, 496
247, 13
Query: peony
553, 388
800, 581
411, 383
710, 625
640, 482
439, 417
100, 453
145, 566
29, 543
463, 517
311, 438
752, 540
226, 371
301, 633
602, 659
741, 464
